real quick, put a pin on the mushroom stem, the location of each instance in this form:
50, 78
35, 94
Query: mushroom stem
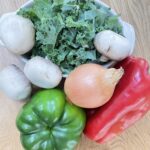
104, 58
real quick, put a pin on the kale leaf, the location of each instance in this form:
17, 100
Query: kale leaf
65, 30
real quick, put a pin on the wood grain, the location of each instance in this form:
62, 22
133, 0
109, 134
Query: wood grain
136, 12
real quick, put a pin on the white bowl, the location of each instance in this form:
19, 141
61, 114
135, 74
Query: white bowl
128, 30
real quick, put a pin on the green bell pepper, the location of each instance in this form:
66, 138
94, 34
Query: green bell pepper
49, 122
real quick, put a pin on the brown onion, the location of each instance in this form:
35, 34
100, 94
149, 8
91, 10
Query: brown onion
91, 85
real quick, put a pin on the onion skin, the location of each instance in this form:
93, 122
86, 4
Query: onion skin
91, 85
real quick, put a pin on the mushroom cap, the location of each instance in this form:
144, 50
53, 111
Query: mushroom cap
42, 72
14, 83
112, 45
17, 33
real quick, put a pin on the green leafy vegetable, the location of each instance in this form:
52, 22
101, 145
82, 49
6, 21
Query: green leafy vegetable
65, 30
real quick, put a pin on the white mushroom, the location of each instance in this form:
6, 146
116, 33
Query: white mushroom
42, 72
14, 83
17, 33
112, 46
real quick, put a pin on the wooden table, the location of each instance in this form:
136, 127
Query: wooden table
137, 12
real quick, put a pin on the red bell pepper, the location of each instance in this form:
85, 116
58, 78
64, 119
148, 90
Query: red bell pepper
130, 102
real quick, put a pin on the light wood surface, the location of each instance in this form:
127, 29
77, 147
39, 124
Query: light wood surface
136, 12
